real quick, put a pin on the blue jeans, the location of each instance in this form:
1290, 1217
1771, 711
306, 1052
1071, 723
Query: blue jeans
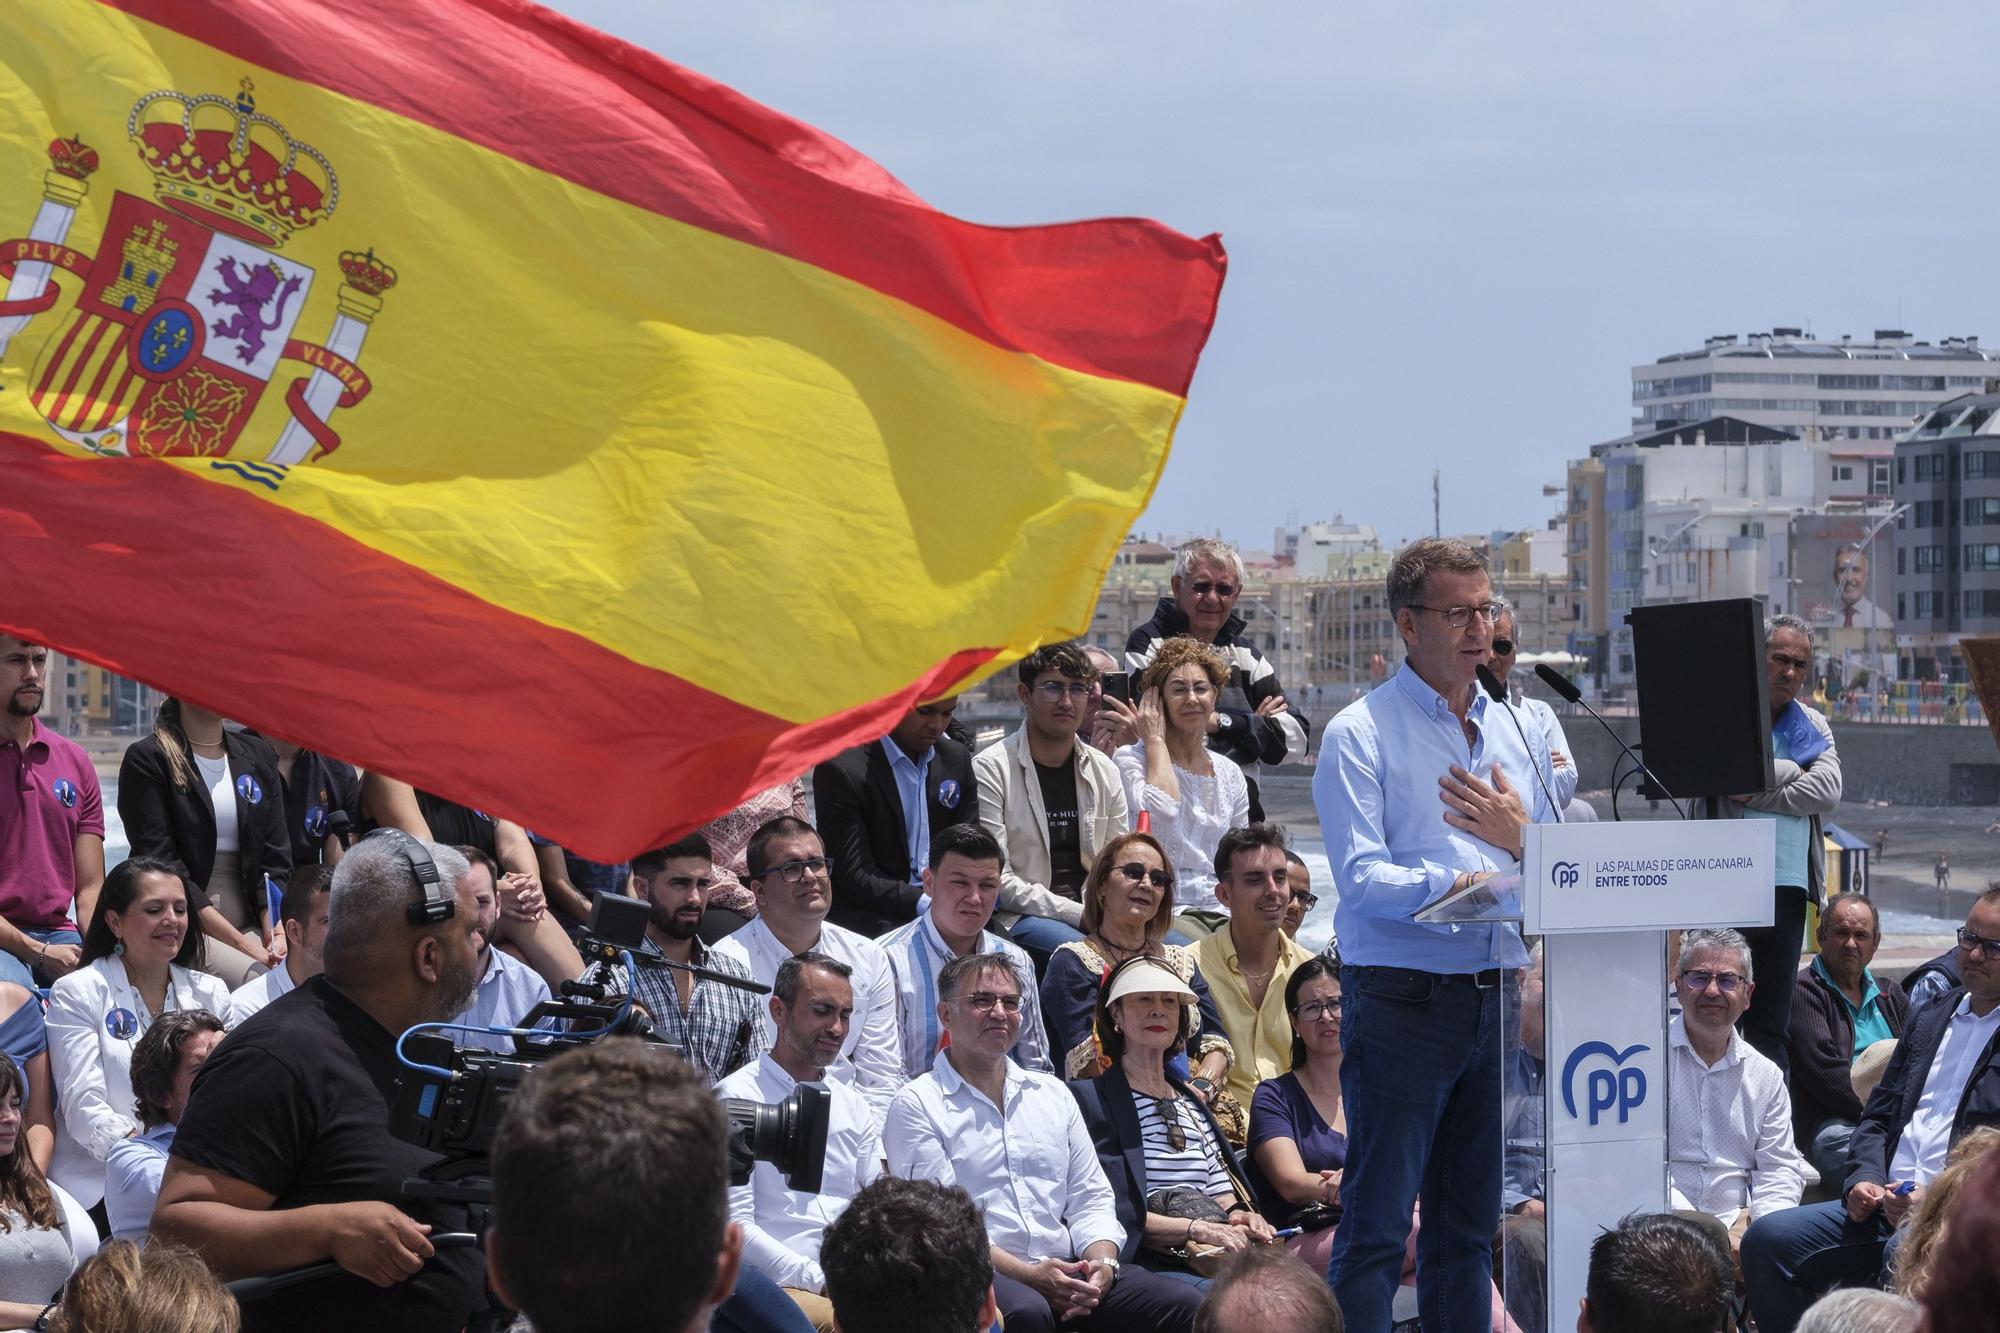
758, 1305
1041, 936
1791, 1259
1828, 1153
14, 970
1421, 1080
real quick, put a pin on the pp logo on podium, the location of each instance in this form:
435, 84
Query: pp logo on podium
1564, 874
1605, 1090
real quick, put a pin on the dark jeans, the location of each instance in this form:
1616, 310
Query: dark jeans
1791, 1259
1774, 958
1138, 1302
1041, 936
1421, 1080
758, 1305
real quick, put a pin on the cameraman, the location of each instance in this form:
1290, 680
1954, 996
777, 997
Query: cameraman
284, 1157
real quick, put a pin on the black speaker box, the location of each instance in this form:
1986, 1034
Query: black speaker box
1704, 700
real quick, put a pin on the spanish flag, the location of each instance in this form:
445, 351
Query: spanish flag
452, 388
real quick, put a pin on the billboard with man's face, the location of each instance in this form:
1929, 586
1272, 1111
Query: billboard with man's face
1836, 568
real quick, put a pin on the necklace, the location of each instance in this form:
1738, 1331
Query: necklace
1117, 953
215, 744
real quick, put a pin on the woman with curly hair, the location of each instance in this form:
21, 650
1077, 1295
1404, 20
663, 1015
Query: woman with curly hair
164, 1064
1917, 1255
1191, 794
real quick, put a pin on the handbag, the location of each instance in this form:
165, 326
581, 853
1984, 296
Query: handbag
1188, 1202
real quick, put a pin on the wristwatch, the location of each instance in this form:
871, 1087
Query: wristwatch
1202, 1086
1111, 1264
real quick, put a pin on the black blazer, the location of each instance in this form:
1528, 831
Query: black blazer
1873, 1147
177, 824
861, 821
1113, 1122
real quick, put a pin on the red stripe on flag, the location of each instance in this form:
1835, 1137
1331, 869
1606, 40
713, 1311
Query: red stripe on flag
281, 622
1126, 298
59, 412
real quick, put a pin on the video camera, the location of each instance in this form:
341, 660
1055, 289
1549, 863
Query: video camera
451, 1100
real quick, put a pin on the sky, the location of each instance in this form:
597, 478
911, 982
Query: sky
1453, 228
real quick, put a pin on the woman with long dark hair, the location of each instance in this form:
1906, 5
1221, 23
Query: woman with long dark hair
208, 801
139, 959
36, 1256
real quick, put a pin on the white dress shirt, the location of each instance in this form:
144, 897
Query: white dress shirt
507, 990
1729, 1132
1191, 828
917, 954
96, 1016
257, 992
872, 1044
1920, 1152
1033, 1169
781, 1226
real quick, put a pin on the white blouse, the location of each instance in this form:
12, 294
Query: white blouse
1190, 828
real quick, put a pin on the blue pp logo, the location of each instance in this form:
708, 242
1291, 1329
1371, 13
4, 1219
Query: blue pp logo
1564, 874
1605, 1090
65, 791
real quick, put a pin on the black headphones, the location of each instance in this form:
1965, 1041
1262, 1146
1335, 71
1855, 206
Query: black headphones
437, 905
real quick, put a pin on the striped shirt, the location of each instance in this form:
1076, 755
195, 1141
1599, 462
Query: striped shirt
1196, 1164
721, 1030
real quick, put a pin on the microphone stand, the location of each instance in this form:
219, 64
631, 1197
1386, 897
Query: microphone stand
1491, 684
1562, 685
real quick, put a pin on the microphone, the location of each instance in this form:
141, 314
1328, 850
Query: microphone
1491, 684
1561, 684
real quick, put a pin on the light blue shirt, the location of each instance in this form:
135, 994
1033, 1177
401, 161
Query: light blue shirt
1794, 831
132, 1174
507, 990
917, 954
1376, 788
910, 774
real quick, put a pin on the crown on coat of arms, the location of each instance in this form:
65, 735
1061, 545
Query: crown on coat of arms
72, 157
226, 165
366, 273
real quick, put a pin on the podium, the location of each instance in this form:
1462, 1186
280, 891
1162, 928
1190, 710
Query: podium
1602, 897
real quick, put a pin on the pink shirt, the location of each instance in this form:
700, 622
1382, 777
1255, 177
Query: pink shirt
46, 800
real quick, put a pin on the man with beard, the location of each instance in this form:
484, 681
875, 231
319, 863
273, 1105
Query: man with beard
717, 1028
284, 1157
51, 828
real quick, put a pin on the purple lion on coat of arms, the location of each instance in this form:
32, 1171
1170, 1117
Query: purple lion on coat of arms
249, 291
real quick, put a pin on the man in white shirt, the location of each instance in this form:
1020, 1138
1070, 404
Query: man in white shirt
961, 884
303, 915
1015, 1141
507, 988
1942, 1083
786, 867
812, 1004
1729, 1119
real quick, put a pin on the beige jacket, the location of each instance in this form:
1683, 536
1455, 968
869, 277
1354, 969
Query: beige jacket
1010, 806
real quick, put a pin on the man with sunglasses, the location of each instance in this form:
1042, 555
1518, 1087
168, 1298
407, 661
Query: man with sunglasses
879, 805
1050, 800
1537, 717
1252, 724
1942, 1083
787, 868
1730, 1153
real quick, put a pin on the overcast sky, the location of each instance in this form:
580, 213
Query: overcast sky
1452, 228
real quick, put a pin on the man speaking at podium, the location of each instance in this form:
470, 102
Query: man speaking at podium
1423, 788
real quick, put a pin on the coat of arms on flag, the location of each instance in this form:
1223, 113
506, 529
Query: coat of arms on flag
186, 311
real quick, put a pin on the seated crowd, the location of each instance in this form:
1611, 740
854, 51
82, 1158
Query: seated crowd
1080, 1072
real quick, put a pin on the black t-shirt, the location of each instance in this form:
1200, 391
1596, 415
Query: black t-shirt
296, 1102
457, 825
1066, 869
318, 789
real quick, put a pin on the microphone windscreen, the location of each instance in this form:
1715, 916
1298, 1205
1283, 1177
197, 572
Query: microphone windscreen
1558, 682
1491, 684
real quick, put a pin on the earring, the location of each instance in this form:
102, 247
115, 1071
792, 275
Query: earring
119, 948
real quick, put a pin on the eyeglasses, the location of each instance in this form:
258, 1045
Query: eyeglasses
1502, 647
1318, 1011
1223, 590
794, 871
1458, 617
1055, 691
984, 1000
1137, 873
1969, 941
1726, 982
1306, 900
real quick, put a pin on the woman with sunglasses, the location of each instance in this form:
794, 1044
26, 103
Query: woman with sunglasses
1192, 794
1298, 1131
1180, 1191
1128, 902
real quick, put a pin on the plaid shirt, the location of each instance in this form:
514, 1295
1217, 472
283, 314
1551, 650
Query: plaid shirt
722, 1029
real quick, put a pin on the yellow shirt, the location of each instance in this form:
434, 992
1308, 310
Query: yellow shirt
1261, 1037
